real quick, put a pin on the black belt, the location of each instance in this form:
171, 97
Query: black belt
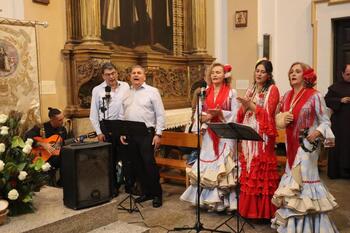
150, 129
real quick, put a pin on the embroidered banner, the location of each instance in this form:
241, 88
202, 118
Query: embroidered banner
19, 82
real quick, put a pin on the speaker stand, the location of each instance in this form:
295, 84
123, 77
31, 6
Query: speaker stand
132, 205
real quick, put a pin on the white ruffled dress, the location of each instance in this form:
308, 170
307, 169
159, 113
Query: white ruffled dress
302, 199
217, 174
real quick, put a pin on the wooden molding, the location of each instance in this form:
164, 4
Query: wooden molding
315, 25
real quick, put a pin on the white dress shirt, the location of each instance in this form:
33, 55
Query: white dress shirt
113, 105
144, 105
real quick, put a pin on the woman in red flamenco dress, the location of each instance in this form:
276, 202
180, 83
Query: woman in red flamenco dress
259, 177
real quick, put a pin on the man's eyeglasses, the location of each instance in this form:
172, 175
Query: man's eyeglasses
110, 74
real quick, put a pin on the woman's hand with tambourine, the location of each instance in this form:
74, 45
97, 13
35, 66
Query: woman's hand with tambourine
313, 135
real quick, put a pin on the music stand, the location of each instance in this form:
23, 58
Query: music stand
127, 128
237, 132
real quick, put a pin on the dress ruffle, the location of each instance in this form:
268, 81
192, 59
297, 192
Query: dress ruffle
303, 205
217, 181
259, 176
258, 187
312, 223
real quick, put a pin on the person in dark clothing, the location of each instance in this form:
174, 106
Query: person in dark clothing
52, 127
338, 99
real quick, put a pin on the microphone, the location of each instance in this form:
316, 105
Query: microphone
202, 93
108, 92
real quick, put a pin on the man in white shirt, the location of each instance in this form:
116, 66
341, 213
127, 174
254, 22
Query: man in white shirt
143, 103
106, 104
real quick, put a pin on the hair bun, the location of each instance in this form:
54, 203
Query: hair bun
49, 108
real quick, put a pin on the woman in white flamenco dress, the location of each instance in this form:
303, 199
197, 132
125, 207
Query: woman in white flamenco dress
303, 201
218, 156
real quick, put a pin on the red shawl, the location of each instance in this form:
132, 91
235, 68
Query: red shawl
292, 139
211, 104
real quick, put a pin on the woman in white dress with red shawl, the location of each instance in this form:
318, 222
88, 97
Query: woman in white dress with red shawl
217, 155
303, 201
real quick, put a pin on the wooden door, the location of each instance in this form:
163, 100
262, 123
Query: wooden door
341, 46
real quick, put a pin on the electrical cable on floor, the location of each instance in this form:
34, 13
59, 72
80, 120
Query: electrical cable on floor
182, 226
154, 226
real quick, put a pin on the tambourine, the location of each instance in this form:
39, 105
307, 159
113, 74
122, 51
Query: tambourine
303, 133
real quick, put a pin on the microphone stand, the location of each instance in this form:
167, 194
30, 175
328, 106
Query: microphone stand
103, 108
198, 226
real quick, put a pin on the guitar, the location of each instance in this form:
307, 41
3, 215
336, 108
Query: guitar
56, 142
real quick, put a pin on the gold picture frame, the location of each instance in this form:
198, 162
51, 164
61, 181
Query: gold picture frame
241, 19
45, 2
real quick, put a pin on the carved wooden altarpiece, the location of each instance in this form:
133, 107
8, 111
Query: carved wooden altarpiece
175, 71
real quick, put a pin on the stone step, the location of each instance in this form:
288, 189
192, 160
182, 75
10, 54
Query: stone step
52, 216
121, 227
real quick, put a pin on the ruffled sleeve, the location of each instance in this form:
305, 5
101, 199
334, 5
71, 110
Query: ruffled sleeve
322, 113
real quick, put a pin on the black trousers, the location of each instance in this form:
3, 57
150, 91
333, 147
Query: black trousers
117, 151
141, 152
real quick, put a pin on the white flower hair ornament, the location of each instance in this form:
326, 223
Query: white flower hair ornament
227, 70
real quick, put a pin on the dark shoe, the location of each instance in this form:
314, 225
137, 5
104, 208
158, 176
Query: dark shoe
157, 202
143, 198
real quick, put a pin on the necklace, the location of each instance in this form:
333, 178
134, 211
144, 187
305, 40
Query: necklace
296, 99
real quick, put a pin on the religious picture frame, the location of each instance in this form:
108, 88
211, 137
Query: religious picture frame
241, 19
46, 2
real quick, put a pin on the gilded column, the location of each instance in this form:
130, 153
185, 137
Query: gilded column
199, 26
178, 27
73, 21
195, 33
90, 21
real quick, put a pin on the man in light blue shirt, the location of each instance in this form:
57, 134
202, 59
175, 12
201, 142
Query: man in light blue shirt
106, 104
143, 103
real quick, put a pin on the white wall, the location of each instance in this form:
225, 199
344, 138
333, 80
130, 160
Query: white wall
289, 25
324, 15
12, 9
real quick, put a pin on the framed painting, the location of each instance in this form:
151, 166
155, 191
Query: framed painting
46, 2
241, 19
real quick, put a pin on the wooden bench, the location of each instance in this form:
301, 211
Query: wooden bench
179, 139
281, 159
176, 139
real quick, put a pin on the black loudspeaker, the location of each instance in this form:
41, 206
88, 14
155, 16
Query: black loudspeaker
86, 174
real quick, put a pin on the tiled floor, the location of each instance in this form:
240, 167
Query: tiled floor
175, 213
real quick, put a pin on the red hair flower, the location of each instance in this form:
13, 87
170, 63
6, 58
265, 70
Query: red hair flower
309, 76
227, 70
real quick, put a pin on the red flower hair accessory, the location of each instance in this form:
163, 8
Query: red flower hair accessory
309, 76
227, 70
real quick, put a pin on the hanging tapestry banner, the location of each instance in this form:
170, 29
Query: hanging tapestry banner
19, 81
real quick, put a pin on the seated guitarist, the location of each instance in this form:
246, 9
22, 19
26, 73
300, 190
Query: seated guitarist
52, 127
